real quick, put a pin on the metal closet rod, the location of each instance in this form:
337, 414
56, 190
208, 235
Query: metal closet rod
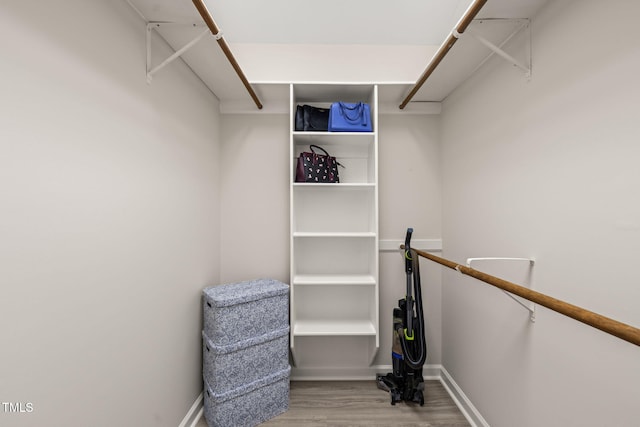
470, 14
208, 19
605, 324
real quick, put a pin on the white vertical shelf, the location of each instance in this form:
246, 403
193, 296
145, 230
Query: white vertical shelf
334, 240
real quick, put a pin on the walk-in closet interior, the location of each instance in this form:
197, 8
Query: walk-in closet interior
149, 151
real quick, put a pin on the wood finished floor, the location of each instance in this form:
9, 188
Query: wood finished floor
361, 403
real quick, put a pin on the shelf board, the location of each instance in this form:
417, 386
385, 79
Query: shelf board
368, 234
334, 279
334, 328
330, 134
313, 92
335, 140
341, 185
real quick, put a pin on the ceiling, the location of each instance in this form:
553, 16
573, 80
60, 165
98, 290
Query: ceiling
328, 22
338, 21
346, 22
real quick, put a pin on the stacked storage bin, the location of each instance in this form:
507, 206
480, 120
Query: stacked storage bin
245, 346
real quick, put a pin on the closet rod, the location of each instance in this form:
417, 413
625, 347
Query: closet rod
208, 19
605, 324
471, 13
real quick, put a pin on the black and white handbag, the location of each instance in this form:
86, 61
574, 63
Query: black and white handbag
315, 167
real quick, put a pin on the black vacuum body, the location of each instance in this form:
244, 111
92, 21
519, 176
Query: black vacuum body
409, 350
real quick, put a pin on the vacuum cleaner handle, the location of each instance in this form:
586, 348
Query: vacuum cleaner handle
407, 239
408, 264
408, 268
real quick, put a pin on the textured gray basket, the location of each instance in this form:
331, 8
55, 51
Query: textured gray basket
230, 366
239, 311
249, 405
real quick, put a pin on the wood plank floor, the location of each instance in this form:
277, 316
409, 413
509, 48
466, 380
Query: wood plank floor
361, 403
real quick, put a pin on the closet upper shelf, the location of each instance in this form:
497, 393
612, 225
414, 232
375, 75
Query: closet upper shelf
178, 23
332, 92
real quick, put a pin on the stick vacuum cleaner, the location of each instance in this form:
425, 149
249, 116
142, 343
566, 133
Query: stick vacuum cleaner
409, 350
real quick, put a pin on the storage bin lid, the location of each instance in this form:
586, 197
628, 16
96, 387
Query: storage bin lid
241, 292
247, 388
241, 345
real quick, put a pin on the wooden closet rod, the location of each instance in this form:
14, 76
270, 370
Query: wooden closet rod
208, 19
610, 326
471, 13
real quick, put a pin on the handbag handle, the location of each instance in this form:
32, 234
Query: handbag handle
359, 112
319, 148
325, 152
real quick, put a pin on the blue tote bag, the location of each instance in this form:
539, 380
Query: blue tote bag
350, 117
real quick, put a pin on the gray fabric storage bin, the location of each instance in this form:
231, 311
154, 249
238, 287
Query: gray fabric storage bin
249, 405
230, 366
239, 311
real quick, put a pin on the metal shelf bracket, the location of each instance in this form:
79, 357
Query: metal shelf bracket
531, 308
154, 25
520, 25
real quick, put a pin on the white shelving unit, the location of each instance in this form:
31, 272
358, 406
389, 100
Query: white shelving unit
334, 240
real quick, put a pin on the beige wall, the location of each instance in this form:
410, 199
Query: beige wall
409, 150
254, 197
333, 63
548, 169
109, 220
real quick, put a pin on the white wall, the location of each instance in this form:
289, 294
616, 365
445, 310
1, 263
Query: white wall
548, 169
254, 197
340, 63
410, 184
109, 220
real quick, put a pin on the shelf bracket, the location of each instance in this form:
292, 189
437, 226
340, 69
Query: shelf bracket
521, 24
153, 25
531, 308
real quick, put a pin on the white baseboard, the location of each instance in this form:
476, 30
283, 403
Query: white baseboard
337, 374
462, 401
429, 372
194, 414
